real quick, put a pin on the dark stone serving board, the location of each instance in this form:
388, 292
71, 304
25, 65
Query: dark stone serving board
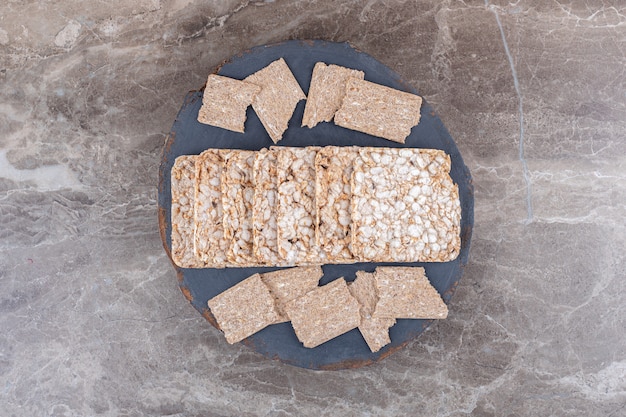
188, 136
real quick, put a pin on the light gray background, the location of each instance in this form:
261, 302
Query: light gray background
92, 321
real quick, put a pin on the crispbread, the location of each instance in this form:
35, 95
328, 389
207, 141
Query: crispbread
405, 292
264, 208
183, 197
363, 288
237, 195
224, 102
289, 284
324, 313
280, 93
375, 331
333, 171
244, 309
378, 110
404, 207
295, 214
210, 244
327, 88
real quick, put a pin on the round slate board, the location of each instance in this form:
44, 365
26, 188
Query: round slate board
189, 137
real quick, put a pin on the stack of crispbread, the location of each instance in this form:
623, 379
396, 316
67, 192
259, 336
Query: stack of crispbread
311, 206
371, 303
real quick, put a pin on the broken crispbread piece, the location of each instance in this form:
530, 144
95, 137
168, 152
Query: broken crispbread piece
326, 91
333, 171
374, 330
288, 284
404, 207
224, 102
324, 313
210, 245
295, 213
244, 309
378, 110
280, 93
405, 292
183, 196
237, 194
264, 208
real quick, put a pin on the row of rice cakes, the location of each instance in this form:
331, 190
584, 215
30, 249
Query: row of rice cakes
286, 206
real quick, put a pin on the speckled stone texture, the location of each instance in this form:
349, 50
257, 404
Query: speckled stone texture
92, 322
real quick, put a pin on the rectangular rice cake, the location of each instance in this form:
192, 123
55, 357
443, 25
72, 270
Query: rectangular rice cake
405, 207
295, 214
324, 313
210, 245
183, 184
264, 205
378, 110
237, 189
333, 172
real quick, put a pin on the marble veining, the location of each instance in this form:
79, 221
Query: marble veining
92, 321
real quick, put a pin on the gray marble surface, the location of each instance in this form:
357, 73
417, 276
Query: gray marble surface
92, 322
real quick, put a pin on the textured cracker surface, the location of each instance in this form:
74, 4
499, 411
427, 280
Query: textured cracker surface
280, 93
404, 207
225, 101
296, 206
378, 110
288, 284
209, 241
149, 353
363, 288
183, 226
324, 313
237, 195
374, 330
326, 91
244, 309
333, 172
264, 208
405, 292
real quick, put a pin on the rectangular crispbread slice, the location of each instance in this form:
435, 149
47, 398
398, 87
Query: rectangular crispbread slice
244, 309
289, 284
326, 91
324, 313
183, 180
295, 214
210, 245
404, 207
405, 292
237, 189
375, 331
378, 110
224, 102
280, 93
264, 208
333, 171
